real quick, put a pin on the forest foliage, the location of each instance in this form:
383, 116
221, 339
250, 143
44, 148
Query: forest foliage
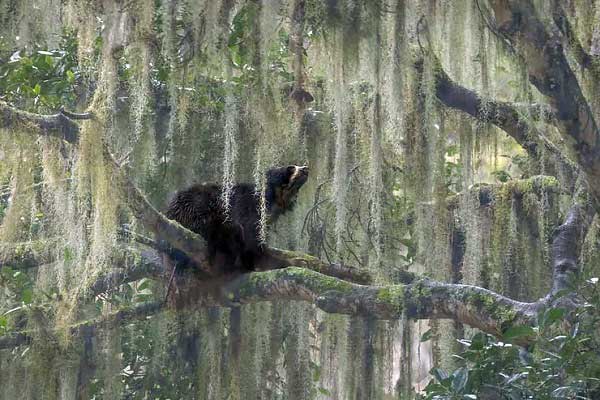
383, 201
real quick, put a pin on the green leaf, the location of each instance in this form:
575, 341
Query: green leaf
27, 296
143, 284
552, 315
518, 331
459, 379
427, 335
478, 341
71, 76
501, 175
439, 374
68, 254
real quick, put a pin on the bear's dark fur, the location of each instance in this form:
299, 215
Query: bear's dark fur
233, 238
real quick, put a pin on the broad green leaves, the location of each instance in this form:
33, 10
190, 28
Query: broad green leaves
556, 365
40, 79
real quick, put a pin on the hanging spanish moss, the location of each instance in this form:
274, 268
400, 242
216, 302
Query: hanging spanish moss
185, 92
230, 152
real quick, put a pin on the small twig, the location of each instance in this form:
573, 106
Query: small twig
170, 283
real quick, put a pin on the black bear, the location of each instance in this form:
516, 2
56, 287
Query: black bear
232, 236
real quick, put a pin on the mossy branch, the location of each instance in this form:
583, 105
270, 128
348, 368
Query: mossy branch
566, 246
507, 116
274, 258
330, 286
176, 235
487, 192
24, 255
570, 41
549, 71
504, 115
422, 299
60, 125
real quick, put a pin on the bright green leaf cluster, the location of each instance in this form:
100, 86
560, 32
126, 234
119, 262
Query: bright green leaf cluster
40, 79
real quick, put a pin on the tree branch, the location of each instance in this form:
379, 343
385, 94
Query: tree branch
24, 255
274, 258
62, 126
504, 115
550, 73
583, 58
168, 230
566, 246
150, 266
422, 299
486, 192
58, 125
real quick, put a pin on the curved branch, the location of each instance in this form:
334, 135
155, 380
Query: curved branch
57, 125
504, 115
170, 231
150, 266
274, 258
486, 192
550, 73
422, 299
62, 126
278, 258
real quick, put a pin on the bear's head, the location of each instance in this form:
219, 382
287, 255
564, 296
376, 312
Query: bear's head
282, 187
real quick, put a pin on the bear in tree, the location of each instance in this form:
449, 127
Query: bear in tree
232, 236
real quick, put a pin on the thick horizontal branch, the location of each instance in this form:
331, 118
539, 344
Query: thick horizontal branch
487, 192
149, 266
274, 258
57, 125
278, 258
24, 255
422, 299
507, 116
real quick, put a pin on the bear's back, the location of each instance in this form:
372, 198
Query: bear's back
200, 207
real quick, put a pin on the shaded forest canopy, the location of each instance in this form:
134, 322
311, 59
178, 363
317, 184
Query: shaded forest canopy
455, 180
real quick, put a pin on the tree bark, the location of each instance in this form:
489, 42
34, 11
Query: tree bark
550, 73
